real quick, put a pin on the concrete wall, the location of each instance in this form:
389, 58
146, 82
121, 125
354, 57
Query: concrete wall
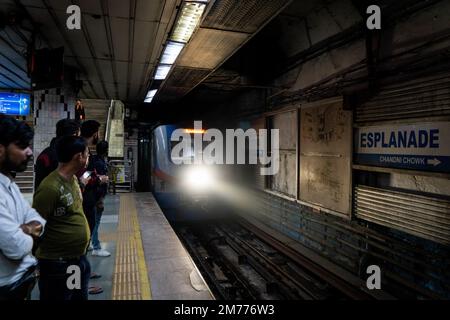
433, 185
417, 31
353, 243
284, 181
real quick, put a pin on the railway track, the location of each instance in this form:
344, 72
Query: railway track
240, 261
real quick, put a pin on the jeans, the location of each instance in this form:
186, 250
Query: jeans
53, 280
90, 213
21, 289
95, 240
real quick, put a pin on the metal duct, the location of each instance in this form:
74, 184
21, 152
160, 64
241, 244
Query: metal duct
228, 25
241, 16
419, 215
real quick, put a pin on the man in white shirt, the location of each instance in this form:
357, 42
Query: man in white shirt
20, 225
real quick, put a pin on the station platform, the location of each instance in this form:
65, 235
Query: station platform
147, 260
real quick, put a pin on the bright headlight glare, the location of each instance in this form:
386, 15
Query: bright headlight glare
198, 178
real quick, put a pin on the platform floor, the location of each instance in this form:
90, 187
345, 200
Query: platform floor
147, 260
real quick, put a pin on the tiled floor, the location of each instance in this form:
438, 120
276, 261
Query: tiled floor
172, 273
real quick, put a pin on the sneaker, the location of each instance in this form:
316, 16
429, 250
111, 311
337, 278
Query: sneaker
90, 248
101, 253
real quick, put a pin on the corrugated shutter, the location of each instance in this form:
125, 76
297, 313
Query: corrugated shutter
421, 97
422, 216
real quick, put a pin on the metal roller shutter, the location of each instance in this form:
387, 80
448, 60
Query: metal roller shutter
421, 97
422, 216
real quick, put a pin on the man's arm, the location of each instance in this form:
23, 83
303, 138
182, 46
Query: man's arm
44, 201
14, 242
101, 172
33, 222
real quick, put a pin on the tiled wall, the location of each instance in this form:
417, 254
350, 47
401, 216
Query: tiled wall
49, 107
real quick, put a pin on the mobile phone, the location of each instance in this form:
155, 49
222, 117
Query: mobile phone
86, 175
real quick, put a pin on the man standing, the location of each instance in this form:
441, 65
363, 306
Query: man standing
99, 165
65, 240
47, 162
89, 131
20, 225
79, 111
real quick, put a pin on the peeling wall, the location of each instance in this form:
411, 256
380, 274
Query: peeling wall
350, 243
284, 181
433, 185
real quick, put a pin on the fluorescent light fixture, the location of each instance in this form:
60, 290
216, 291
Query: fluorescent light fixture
150, 95
162, 71
171, 52
189, 18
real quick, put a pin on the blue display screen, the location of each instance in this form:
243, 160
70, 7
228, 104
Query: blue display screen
15, 104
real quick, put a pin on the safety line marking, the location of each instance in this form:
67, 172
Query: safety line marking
130, 280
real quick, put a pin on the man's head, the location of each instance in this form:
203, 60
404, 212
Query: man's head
89, 130
102, 148
67, 127
73, 150
15, 139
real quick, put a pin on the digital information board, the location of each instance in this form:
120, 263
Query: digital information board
15, 104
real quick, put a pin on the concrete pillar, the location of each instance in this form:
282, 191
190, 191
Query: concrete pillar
50, 106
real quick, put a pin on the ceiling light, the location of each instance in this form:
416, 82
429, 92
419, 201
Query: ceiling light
150, 95
171, 52
162, 71
188, 20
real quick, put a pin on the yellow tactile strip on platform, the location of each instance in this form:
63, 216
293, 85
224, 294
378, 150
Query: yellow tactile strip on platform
130, 281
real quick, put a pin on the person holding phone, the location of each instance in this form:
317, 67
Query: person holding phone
90, 131
64, 243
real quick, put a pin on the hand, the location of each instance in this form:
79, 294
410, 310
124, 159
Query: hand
84, 181
33, 228
104, 179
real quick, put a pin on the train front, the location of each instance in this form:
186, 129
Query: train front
181, 182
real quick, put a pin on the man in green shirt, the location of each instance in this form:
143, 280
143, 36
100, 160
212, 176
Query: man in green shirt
61, 252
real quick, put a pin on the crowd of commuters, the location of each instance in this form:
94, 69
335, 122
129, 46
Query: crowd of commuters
48, 241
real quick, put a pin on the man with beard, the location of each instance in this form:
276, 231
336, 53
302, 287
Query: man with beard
20, 225
64, 242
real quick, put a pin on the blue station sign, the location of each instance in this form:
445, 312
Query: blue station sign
424, 147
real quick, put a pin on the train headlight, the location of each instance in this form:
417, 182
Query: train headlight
198, 178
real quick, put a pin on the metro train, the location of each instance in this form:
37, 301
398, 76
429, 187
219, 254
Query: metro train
182, 190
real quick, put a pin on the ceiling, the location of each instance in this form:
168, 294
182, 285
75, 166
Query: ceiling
115, 50
225, 28
120, 42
